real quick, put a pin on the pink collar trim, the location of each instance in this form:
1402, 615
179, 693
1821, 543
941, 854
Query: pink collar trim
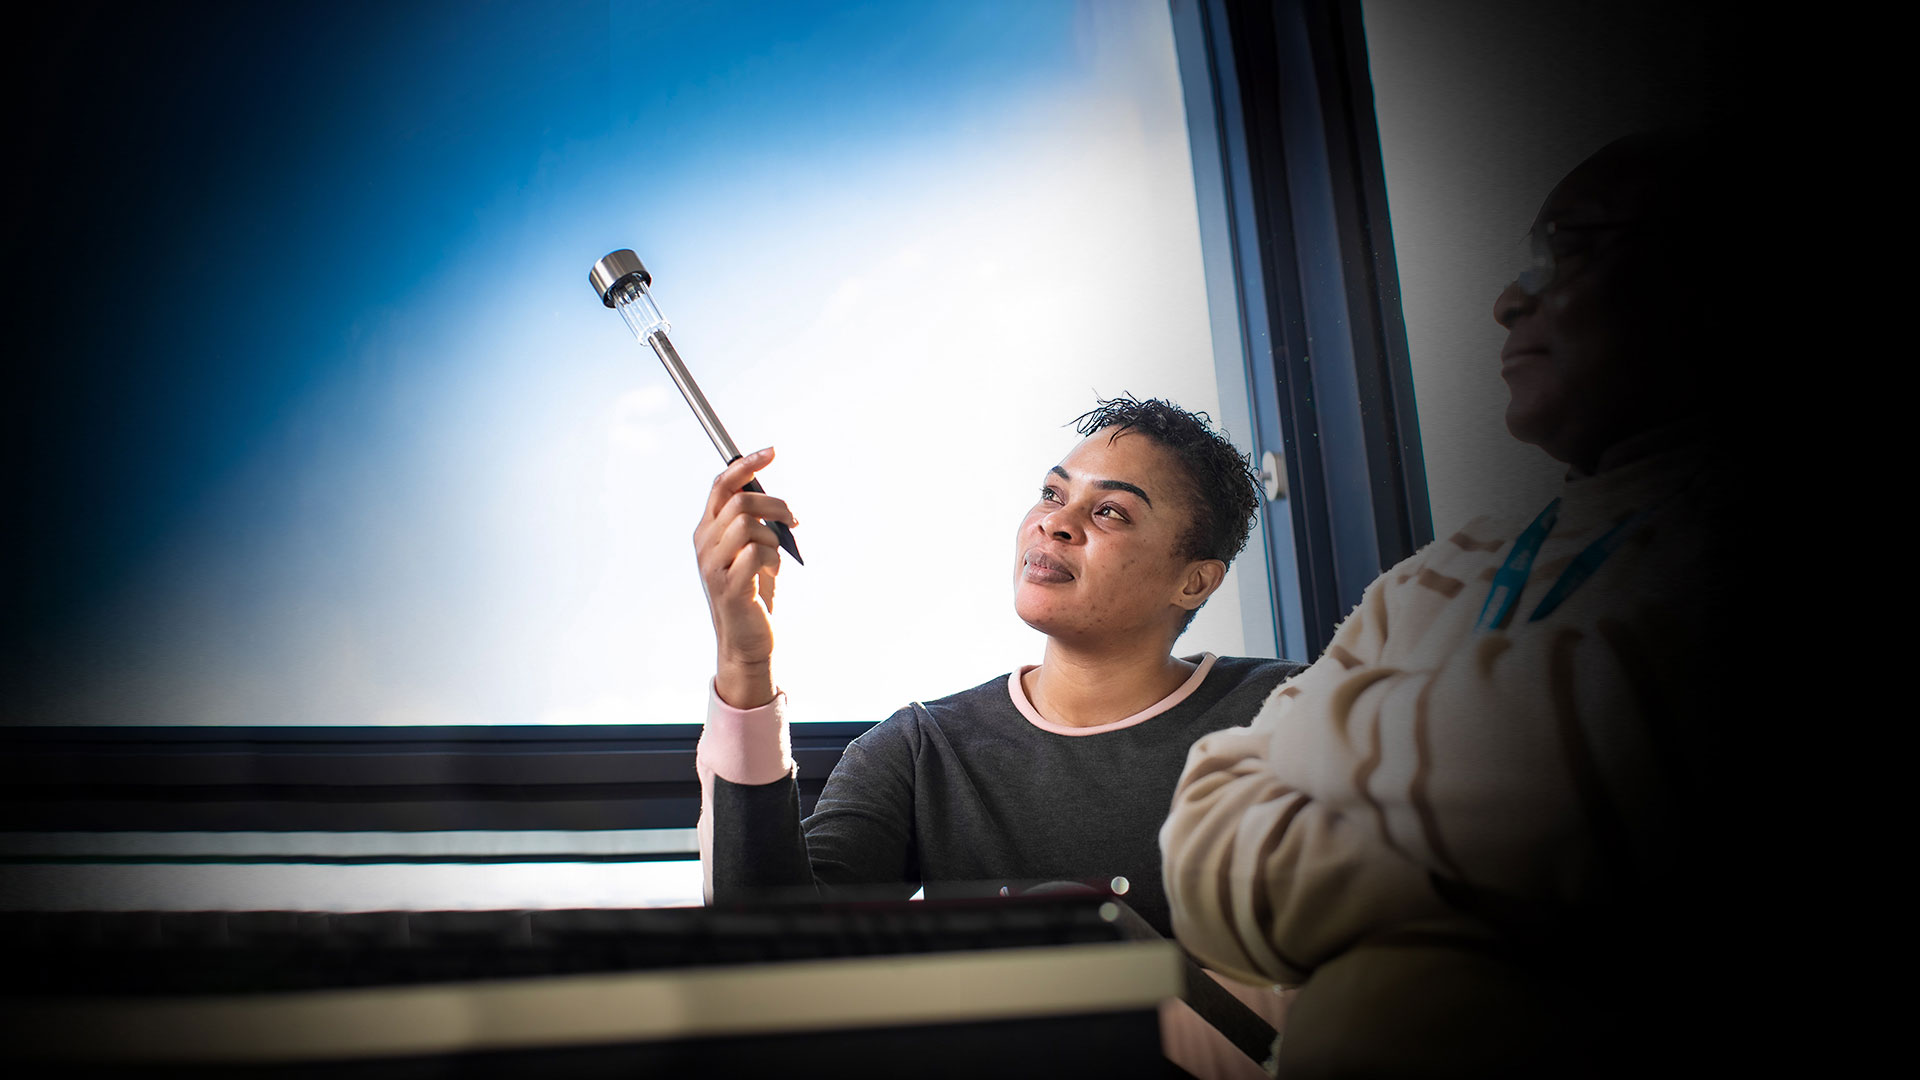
1203, 664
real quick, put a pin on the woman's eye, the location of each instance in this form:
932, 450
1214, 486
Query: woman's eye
1112, 512
1047, 494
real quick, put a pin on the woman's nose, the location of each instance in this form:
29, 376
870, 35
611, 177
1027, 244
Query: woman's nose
1512, 303
1059, 525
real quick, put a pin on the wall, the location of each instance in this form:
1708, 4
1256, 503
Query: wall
1483, 105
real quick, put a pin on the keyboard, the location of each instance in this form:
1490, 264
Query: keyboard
303, 988
213, 952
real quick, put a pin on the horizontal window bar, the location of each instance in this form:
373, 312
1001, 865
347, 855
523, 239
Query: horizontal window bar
399, 846
335, 888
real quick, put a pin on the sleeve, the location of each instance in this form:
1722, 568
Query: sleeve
1266, 878
1520, 770
752, 839
751, 749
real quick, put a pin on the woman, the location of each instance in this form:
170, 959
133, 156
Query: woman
1061, 771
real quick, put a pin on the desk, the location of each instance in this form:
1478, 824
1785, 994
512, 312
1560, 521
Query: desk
1078, 1009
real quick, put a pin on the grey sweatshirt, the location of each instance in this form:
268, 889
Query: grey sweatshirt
969, 794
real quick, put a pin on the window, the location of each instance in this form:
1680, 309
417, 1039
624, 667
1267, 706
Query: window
323, 429
337, 434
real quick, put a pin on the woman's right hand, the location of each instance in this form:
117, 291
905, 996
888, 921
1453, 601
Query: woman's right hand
739, 558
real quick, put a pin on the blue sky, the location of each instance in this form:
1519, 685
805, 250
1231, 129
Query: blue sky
356, 445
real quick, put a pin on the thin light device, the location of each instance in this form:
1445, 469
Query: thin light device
621, 283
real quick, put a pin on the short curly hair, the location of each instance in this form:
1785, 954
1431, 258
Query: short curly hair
1221, 485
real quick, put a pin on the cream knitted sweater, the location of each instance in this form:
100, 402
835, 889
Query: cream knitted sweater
1416, 760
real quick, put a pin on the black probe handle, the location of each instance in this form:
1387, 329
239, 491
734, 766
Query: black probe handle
779, 527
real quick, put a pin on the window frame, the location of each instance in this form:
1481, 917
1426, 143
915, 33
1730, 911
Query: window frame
1288, 174
1288, 170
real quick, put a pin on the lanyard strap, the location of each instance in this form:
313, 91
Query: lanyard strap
1585, 563
1512, 575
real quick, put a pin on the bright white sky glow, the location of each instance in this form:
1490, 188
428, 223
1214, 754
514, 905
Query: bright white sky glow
502, 535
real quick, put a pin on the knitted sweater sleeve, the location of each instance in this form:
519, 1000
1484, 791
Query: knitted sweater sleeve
1517, 769
1270, 872
752, 839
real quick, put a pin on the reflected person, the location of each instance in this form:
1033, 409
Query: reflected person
1477, 810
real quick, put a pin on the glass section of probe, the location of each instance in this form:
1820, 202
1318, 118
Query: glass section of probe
621, 282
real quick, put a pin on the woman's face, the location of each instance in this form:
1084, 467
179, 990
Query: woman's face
1095, 558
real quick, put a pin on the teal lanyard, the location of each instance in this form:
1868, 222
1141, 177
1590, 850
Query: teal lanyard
1512, 575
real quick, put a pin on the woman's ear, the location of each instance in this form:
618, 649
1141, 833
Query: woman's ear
1202, 578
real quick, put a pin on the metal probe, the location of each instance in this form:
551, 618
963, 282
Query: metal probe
620, 281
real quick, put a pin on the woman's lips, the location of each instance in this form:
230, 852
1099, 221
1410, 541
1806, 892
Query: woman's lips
1045, 571
1512, 356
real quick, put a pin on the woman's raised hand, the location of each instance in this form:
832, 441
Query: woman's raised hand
739, 558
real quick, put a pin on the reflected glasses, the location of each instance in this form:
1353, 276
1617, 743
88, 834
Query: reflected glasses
1549, 246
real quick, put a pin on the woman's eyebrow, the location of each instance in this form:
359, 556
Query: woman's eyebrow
1107, 485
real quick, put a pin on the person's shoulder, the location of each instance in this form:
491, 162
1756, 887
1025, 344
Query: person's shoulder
992, 694
1238, 684
1234, 690
1241, 670
910, 718
1480, 539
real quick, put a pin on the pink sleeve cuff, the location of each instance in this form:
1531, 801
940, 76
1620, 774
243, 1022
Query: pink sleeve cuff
745, 746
